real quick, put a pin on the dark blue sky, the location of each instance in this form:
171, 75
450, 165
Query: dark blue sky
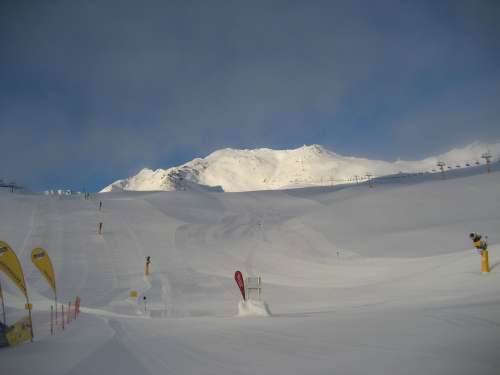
91, 91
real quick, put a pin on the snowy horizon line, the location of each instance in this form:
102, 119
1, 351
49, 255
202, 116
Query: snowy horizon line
263, 168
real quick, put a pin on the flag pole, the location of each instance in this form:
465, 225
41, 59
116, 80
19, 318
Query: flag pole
55, 300
28, 304
3, 305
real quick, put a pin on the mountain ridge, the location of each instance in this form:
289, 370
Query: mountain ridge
233, 170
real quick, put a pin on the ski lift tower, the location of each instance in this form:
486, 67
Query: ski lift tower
441, 165
487, 156
369, 177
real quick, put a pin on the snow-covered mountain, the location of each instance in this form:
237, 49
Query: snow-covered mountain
265, 169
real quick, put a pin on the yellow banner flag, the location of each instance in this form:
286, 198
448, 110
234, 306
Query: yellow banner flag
11, 266
20, 332
41, 260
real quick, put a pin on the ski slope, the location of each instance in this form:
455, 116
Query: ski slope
359, 280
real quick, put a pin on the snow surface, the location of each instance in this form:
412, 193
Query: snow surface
360, 280
265, 169
253, 308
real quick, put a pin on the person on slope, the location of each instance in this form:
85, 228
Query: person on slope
148, 262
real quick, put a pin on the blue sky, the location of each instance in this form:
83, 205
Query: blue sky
92, 91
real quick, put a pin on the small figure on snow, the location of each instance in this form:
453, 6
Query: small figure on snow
148, 262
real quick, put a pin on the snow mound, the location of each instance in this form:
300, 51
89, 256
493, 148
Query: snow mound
253, 308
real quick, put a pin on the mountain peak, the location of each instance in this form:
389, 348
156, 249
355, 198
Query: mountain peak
313, 148
267, 169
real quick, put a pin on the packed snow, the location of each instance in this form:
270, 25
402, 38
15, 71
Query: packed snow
359, 279
253, 308
265, 169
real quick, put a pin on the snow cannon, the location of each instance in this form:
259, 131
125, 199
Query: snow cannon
482, 247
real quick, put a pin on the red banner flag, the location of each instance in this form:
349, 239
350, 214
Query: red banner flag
241, 284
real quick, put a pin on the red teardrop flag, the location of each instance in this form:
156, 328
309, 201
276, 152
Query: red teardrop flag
241, 284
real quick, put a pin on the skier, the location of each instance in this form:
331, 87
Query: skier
148, 262
100, 205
